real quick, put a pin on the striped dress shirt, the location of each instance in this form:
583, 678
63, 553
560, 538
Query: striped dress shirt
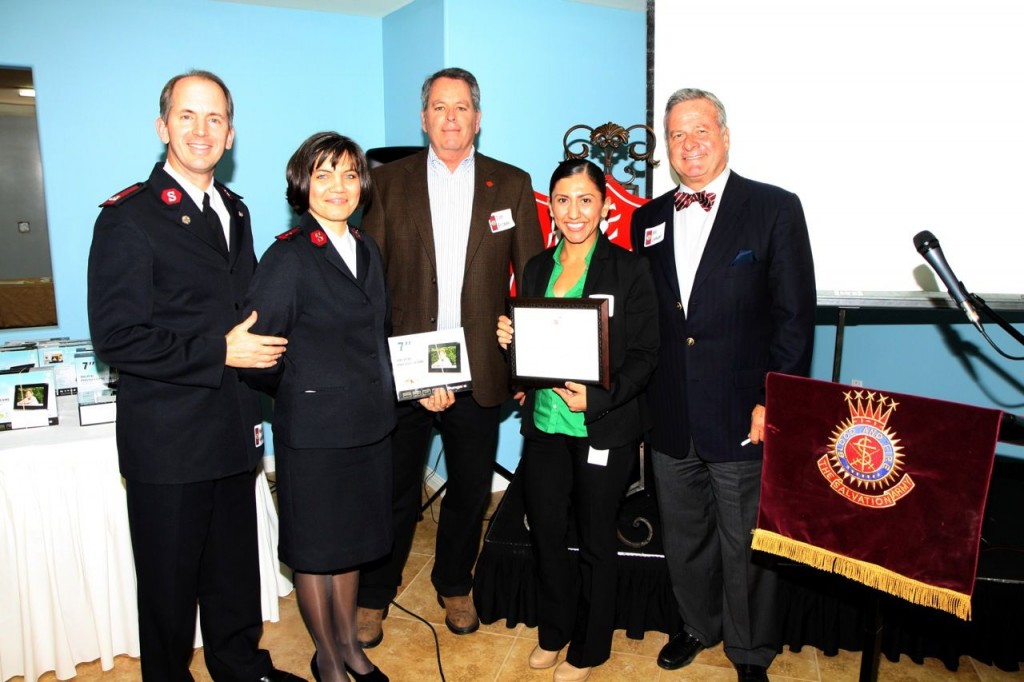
451, 206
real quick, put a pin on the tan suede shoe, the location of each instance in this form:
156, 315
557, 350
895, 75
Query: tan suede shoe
542, 658
369, 630
460, 614
567, 672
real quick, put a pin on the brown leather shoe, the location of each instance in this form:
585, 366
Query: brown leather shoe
369, 630
460, 614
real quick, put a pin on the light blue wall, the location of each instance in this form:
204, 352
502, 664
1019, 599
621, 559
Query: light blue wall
545, 66
413, 49
99, 67
939, 357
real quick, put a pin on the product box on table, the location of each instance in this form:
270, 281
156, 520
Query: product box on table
18, 357
97, 389
28, 398
59, 353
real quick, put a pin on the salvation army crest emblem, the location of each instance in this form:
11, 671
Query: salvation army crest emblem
864, 463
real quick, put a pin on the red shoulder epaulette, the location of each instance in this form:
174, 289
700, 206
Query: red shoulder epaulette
285, 236
227, 192
123, 194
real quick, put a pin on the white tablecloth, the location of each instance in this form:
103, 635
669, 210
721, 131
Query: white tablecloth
67, 577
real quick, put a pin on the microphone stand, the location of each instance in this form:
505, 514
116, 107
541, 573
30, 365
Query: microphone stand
972, 304
980, 304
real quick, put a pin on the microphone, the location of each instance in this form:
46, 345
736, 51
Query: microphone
928, 246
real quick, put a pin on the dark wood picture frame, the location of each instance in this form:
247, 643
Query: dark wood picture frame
599, 307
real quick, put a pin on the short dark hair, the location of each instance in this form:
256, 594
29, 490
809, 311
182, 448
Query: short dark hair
319, 147
165, 94
457, 74
571, 167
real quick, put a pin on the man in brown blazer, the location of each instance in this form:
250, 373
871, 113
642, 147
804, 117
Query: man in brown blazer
449, 221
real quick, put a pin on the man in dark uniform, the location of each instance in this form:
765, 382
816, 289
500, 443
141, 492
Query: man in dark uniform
169, 267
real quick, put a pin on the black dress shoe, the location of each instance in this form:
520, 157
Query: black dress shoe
374, 675
314, 668
680, 651
276, 675
747, 672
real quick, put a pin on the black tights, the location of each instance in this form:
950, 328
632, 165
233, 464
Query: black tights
328, 607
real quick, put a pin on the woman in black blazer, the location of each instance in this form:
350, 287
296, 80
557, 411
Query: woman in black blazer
581, 441
321, 285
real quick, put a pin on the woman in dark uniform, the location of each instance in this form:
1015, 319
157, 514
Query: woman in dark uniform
581, 442
322, 286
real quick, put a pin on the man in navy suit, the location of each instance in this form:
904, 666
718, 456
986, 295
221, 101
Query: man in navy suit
736, 298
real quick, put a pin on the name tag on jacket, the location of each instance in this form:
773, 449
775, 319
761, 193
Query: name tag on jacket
501, 220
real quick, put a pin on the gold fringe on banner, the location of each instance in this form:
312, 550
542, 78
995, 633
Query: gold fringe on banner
869, 574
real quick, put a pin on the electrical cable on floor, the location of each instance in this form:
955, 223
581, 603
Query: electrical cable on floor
433, 472
437, 642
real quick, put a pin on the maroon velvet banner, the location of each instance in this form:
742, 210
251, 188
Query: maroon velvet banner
884, 488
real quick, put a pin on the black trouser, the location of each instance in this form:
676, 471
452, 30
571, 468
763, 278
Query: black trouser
575, 606
196, 543
469, 434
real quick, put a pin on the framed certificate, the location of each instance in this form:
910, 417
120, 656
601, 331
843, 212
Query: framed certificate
423, 362
558, 340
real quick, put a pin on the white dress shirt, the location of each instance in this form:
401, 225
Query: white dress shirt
196, 194
345, 245
692, 227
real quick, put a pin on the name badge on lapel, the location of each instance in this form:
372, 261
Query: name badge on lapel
654, 235
501, 220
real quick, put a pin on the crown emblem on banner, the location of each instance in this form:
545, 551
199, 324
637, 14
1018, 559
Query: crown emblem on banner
865, 461
868, 407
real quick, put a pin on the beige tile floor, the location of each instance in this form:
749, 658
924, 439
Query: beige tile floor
498, 654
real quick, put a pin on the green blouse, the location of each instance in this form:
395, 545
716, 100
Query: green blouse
550, 413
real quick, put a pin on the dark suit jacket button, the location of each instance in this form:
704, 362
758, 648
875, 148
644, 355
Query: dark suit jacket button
690, 341
679, 305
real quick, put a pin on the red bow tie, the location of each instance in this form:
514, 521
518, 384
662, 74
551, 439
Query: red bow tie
705, 199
